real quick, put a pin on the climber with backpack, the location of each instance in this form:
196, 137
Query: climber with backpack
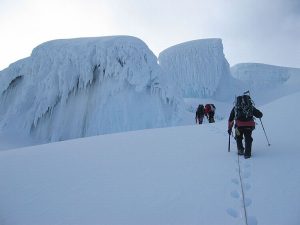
199, 114
210, 112
242, 117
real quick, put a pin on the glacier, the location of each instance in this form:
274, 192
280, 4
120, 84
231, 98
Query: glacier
82, 87
199, 69
86, 86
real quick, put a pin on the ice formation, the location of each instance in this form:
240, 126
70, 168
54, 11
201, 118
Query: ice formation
199, 68
86, 86
267, 82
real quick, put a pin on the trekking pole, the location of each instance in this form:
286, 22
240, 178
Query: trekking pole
228, 142
264, 132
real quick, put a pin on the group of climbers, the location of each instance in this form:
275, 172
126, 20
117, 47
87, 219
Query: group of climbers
208, 111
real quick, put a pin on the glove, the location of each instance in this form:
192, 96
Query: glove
229, 131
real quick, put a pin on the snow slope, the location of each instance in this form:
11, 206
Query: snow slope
267, 82
199, 68
179, 175
86, 86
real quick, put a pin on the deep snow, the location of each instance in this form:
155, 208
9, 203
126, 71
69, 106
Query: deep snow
179, 175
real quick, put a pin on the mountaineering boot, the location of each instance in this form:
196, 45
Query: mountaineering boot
247, 156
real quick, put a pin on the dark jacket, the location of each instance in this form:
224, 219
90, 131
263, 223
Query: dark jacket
244, 123
200, 111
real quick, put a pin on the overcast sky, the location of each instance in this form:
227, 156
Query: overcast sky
265, 31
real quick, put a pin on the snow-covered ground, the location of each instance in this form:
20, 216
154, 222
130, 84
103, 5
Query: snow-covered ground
179, 175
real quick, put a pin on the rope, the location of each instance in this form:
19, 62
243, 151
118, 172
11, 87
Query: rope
243, 195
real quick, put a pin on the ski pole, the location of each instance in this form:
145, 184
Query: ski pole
264, 132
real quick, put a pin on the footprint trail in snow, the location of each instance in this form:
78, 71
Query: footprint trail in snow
242, 187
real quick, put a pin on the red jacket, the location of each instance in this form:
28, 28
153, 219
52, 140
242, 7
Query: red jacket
209, 108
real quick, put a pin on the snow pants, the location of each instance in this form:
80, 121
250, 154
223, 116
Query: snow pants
240, 133
199, 119
211, 118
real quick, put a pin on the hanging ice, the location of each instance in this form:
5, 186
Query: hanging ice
86, 86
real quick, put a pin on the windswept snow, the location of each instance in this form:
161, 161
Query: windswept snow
179, 175
199, 68
87, 86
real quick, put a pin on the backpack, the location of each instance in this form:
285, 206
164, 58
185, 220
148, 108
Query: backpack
200, 110
244, 108
210, 108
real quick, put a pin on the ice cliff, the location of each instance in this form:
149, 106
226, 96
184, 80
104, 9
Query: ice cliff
86, 86
198, 68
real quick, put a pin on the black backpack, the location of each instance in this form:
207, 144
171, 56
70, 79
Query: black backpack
244, 108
